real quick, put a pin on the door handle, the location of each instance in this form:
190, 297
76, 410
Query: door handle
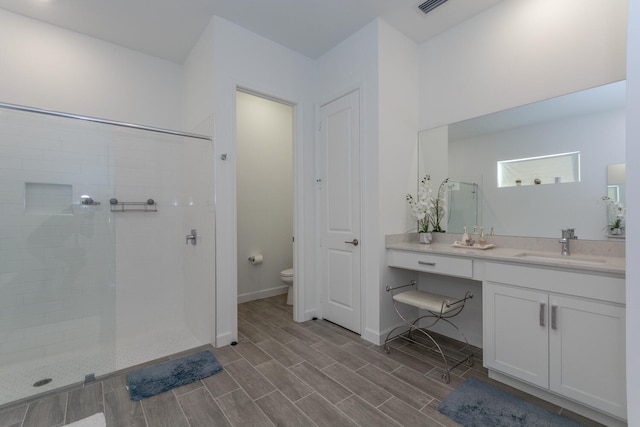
192, 237
354, 242
542, 313
554, 317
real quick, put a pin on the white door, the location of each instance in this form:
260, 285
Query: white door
339, 158
587, 348
516, 332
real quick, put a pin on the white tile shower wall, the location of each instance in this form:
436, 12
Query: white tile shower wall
56, 271
199, 262
149, 245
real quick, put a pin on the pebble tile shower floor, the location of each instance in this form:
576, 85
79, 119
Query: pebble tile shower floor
280, 373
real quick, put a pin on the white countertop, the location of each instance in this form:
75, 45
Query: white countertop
575, 262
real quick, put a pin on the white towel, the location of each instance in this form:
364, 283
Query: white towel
95, 420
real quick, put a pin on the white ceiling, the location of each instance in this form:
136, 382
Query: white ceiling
169, 28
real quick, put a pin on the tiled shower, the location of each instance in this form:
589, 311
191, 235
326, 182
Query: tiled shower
85, 290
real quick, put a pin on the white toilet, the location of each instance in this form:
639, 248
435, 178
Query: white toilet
287, 277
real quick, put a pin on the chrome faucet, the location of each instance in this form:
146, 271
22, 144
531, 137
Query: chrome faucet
567, 235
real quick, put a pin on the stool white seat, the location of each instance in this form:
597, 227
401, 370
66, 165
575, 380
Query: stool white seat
426, 301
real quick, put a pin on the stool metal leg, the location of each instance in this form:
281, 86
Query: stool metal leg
412, 326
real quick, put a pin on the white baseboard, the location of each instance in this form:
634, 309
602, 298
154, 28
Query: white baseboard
224, 339
374, 337
311, 313
265, 293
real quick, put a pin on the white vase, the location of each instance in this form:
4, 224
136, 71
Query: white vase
425, 238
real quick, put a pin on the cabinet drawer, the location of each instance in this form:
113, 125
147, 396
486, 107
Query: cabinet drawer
436, 264
604, 288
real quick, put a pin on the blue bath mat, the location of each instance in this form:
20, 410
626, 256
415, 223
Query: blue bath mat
477, 404
159, 378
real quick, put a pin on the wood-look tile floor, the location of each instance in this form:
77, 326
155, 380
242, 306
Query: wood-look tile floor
280, 373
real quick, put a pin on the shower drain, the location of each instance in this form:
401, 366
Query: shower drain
42, 382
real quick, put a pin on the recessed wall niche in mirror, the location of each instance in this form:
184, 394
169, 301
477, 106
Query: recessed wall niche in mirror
591, 122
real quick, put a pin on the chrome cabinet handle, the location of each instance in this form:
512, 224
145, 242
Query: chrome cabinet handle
542, 316
354, 242
432, 264
554, 317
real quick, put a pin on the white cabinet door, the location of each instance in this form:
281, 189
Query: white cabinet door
587, 352
515, 332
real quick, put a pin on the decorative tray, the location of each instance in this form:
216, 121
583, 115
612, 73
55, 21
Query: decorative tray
458, 244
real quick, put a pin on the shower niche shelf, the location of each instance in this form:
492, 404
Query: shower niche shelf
149, 206
48, 199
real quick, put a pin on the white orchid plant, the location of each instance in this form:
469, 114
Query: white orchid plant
616, 213
429, 211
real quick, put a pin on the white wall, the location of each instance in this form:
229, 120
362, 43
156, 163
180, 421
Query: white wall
354, 64
398, 120
264, 138
199, 73
520, 51
51, 68
244, 59
633, 213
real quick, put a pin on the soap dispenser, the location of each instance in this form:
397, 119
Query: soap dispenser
482, 241
465, 237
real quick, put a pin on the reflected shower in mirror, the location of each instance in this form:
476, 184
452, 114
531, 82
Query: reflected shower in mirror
462, 205
616, 200
590, 122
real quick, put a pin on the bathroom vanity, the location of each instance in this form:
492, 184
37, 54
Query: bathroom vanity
553, 325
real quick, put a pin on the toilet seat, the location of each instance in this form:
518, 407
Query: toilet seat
287, 273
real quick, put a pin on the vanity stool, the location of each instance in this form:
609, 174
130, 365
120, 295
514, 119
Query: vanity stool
439, 308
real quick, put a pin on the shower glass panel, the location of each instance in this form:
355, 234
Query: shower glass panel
462, 206
87, 290
57, 272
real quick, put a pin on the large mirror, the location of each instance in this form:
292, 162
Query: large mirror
533, 170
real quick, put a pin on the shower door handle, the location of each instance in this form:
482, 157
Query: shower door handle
192, 237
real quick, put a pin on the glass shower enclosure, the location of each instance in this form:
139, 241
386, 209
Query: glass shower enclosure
86, 289
462, 203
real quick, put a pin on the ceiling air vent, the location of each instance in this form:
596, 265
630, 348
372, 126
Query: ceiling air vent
429, 5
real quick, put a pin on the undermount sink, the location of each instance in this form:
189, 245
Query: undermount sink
560, 258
